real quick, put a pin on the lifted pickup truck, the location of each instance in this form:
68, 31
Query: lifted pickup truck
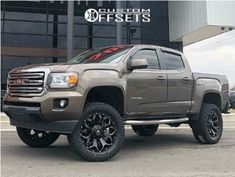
91, 97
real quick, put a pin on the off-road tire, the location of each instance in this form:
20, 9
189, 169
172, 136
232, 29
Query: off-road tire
36, 138
208, 129
145, 130
86, 129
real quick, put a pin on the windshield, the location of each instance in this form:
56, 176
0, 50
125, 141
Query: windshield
101, 55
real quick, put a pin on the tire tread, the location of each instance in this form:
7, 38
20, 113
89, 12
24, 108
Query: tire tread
82, 150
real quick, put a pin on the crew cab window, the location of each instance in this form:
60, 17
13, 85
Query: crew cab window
173, 62
150, 56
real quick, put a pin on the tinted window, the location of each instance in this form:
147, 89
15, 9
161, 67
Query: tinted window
101, 55
173, 62
151, 57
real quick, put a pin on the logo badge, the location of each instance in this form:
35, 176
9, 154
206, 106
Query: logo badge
91, 15
20, 81
117, 15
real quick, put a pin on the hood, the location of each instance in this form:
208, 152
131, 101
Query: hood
63, 67
94, 66
54, 67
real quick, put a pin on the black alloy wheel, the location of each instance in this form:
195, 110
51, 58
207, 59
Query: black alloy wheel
99, 133
213, 124
37, 138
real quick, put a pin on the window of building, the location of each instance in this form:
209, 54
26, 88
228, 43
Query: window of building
34, 24
104, 31
80, 30
151, 57
24, 27
101, 42
15, 40
61, 42
173, 62
25, 16
80, 43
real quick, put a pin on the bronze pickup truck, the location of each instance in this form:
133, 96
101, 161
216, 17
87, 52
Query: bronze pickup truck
92, 96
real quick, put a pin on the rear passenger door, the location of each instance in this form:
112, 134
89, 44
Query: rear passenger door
179, 82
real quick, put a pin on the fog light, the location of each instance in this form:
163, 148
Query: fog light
60, 103
63, 103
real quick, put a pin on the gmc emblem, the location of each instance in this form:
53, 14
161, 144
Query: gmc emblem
20, 81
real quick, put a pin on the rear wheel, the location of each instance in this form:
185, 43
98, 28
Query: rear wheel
208, 129
36, 138
145, 130
99, 133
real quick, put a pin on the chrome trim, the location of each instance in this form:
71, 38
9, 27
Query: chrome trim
153, 122
40, 88
34, 73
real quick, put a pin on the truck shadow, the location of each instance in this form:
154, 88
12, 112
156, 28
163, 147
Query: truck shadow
133, 145
159, 140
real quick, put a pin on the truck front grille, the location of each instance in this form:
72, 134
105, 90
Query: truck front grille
26, 83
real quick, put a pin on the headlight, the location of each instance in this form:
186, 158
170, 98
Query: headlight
62, 80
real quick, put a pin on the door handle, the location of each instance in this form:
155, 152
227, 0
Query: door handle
160, 78
186, 79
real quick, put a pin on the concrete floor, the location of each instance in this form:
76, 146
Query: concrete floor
171, 152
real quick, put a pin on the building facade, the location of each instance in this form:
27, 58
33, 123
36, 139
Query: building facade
37, 32
53, 31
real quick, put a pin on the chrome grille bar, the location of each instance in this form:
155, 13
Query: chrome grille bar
26, 83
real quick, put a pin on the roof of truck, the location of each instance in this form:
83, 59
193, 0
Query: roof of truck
147, 45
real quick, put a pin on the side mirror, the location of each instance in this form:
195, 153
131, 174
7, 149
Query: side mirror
138, 64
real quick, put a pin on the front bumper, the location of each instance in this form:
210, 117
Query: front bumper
38, 112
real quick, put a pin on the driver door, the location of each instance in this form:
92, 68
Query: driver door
146, 88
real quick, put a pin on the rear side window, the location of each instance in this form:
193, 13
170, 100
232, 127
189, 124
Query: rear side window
173, 62
150, 56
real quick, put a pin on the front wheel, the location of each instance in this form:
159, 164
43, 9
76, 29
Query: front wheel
99, 133
36, 138
145, 130
208, 129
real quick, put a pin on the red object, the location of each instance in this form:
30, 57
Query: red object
95, 57
110, 50
98, 56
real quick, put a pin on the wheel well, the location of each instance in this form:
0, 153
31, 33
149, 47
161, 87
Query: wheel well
107, 94
213, 98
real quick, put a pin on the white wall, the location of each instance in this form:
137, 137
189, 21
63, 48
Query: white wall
185, 17
221, 13
192, 21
